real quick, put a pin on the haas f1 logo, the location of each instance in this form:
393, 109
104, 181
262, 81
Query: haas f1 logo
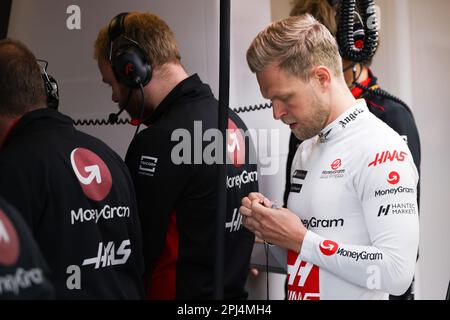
92, 173
129, 69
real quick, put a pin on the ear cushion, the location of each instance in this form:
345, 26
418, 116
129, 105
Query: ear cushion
131, 67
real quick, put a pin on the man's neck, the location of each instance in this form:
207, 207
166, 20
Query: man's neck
165, 79
341, 100
360, 74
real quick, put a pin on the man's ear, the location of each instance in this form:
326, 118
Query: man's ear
323, 75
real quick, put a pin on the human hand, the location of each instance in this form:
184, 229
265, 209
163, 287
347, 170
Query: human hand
276, 226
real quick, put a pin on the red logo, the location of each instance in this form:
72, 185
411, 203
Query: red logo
336, 164
235, 144
359, 44
385, 156
328, 247
9, 242
393, 177
129, 68
92, 173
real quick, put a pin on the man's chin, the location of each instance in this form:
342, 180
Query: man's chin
302, 135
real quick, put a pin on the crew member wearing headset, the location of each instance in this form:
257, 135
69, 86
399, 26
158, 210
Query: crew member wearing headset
23, 270
363, 84
170, 161
74, 192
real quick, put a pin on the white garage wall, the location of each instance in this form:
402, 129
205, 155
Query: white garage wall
42, 26
414, 63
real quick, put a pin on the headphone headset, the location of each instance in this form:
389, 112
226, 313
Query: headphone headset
51, 86
357, 41
129, 61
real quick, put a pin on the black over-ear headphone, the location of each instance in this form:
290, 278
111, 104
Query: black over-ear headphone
129, 61
51, 86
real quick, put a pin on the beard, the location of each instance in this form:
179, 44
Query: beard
133, 105
306, 129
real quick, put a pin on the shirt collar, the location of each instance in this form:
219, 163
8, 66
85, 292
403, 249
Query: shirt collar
189, 87
348, 118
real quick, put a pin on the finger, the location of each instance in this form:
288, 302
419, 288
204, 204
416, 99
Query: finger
246, 202
245, 211
267, 203
254, 272
256, 195
258, 210
248, 223
259, 240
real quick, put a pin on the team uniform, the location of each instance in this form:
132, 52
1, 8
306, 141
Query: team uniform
77, 197
23, 270
175, 181
354, 186
396, 115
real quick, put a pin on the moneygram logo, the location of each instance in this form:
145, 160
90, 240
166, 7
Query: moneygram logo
92, 173
9, 241
320, 223
393, 191
244, 178
393, 177
94, 215
328, 247
235, 144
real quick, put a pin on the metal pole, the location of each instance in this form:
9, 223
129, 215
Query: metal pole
224, 90
5, 11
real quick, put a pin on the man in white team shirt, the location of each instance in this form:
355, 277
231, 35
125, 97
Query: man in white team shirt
351, 227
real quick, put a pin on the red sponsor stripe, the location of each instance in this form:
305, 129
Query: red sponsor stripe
163, 279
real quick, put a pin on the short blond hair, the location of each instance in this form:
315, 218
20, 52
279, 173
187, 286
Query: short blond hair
297, 44
151, 32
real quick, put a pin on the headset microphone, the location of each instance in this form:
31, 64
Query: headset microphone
114, 117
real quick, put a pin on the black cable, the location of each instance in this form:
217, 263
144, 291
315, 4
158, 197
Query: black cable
99, 122
123, 121
253, 108
266, 249
447, 297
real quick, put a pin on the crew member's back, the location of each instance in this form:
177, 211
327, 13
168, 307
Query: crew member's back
77, 196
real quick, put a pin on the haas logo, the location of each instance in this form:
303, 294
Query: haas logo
393, 177
336, 164
235, 144
92, 173
129, 68
9, 242
328, 247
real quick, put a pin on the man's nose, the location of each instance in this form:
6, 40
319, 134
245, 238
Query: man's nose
278, 110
